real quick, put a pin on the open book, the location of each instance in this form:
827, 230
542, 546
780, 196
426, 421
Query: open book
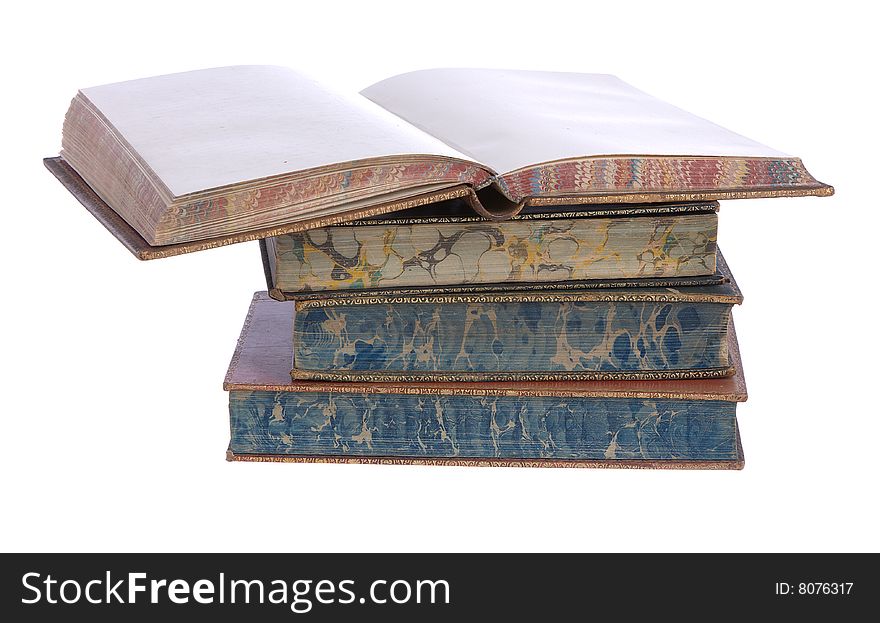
243, 152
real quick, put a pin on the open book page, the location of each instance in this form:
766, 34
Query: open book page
510, 120
211, 128
218, 154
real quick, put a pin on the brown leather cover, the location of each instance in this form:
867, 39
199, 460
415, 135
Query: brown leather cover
264, 356
143, 250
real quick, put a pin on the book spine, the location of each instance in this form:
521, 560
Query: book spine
470, 253
512, 341
352, 425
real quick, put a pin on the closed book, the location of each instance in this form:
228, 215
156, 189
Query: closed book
659, 244
648, 333
658, 424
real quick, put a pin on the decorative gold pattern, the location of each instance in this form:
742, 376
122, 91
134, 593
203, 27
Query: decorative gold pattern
383, 376
669, 296
822, 190
525, 392
651, 282
645, 210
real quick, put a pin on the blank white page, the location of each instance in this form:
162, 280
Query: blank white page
509, 120
202, 129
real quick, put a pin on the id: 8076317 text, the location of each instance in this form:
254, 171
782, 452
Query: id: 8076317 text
814, 588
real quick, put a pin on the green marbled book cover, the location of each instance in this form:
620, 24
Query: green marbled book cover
675, 241
487, 427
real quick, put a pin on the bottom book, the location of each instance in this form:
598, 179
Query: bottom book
632, 424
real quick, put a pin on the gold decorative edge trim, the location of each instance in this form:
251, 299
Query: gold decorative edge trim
313, 387
595, 284
383, 376
670, 296
329, 387
672, 209
822, 190
733, 464
691, 464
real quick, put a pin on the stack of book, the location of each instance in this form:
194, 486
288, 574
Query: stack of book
423, 306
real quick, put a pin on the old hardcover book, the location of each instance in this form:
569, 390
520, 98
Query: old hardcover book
648, 244
209, 157
602, 333
657, 424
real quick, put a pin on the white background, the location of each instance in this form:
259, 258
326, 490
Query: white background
114, 423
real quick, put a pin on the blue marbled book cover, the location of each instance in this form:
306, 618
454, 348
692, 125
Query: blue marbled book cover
600, 333
491, 427
520, 340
